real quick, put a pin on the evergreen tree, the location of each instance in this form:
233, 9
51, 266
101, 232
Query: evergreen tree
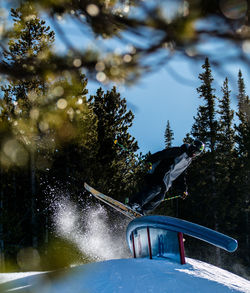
242, 129
30, 38
115, 163
205, 126
226, 121
242, 173
225, 145
169, 136
226, 159
202, 174
42, 119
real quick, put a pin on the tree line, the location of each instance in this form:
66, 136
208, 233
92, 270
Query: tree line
219, 178
52, 134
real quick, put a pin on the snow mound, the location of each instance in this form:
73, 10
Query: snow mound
130, 275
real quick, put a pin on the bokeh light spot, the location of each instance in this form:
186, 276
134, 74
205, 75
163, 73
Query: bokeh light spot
77, 62
127, 58
44, 126
233, 9
15, 152
58, 91
79, 101
34, 114
100, 66
246, 46
93, 9
28, 259
101, 76
61, 104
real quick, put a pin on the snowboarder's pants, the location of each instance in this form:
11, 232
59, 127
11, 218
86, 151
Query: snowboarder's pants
149, 197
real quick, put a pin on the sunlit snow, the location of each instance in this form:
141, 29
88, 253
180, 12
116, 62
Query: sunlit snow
132, 275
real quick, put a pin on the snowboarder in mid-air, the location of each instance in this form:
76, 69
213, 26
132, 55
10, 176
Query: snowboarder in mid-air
167, 166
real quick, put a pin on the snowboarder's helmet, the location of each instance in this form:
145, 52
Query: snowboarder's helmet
196, 148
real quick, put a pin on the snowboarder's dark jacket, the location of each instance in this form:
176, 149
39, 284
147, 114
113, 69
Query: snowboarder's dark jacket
167, 166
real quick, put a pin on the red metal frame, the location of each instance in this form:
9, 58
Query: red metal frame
181, 248
180, 242
149, 244
133, 242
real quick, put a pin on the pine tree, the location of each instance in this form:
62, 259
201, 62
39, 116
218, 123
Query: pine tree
226, 159
42, 118
226, 122
115, 163
242, 174
202, 174
169, 136
30, 38
225, 145
243, 110
206, 126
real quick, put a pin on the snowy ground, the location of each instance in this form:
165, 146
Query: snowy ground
115, 272
129, 275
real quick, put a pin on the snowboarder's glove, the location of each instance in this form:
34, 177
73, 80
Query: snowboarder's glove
185, 194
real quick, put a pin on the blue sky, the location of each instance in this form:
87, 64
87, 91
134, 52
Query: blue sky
161, 96
157, 98
168, 94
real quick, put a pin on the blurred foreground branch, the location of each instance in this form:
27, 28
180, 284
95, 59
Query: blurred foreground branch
135, 36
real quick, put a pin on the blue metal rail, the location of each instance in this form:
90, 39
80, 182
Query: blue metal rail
177, 225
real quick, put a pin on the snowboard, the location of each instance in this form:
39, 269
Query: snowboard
115, 204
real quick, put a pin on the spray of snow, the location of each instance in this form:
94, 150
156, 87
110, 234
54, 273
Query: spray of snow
90, 230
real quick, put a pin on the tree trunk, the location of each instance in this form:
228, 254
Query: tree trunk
215, 214
33, 200
2, 262
247, 230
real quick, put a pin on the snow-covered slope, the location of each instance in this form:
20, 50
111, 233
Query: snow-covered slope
130, 275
